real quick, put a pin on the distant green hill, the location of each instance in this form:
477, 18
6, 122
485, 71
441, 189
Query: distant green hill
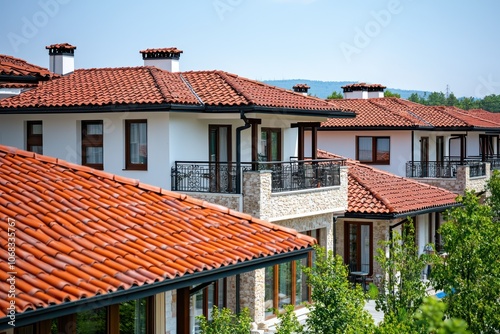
322, 89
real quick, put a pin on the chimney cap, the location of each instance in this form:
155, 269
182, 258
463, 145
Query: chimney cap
62, 48
165, 53
301, 88
362, 86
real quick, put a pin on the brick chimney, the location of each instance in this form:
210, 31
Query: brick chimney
61, 58
301, 88
363, 90
166, 58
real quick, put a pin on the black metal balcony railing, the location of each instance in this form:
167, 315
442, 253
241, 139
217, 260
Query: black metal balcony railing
443, 169
221, 177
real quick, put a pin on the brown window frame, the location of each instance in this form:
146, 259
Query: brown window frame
374, 159
293, 274
33, 139
358, 250
92, 141
128, 164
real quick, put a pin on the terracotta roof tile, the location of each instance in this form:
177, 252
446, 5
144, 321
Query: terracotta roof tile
120, 234
395, 112
145, 85
373, 191
14, 67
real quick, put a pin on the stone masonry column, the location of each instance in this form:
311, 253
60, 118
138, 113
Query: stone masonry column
257, 194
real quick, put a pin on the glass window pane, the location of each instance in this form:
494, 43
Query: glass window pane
196, 309
365, 149
133, 316
301, 294
36, 129
138, 143
285, 284
94, 155
269, 293
94, 129
365, 248
92, 321
263, 146
275, 146
36, 149
383, 149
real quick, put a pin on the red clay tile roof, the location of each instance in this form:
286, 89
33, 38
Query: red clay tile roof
16, 67
151, 53
395, 112
363, 86
80, 232
61, 47
373, 191
151, 86
301, 86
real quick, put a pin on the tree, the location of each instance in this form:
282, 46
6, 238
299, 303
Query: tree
430, 319
436, 99
335, 96
491, 103
469, 274
225, 322
402, 288
451, 100
468, 103
336, 307
288, 322
415, 98
388, 93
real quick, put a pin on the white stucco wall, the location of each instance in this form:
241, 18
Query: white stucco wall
62, 139
344, 143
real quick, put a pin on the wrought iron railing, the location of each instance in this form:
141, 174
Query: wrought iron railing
443, 169
222, 177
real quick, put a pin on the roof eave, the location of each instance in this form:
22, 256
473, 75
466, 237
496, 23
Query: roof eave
152, 107
390, 216
333, 113
378, 128
146, 290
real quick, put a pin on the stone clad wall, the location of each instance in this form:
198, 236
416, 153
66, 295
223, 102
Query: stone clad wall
462, 181
231, 201
260, 202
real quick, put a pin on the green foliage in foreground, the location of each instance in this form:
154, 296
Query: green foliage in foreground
288, 322
225, 322
336, 307
469, 274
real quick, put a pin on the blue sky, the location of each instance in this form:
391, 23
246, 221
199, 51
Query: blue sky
407, 44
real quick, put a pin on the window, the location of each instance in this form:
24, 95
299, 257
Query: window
373, 150
358, 246
287, 284
34, 138
136, 141
131, 317
92, 144
203, 301
270, 144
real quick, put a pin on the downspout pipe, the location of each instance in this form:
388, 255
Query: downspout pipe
238, 150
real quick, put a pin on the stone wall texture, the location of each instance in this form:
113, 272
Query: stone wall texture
260, 201
231, 201
462, 181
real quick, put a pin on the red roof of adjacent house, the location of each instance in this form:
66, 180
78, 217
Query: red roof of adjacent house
373, 191
147, 85
81, 232
15, 68
395, 112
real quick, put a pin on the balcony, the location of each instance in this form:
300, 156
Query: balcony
222, 177
444, 169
